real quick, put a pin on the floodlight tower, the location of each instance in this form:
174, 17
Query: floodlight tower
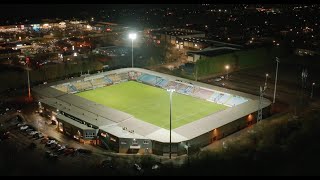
132, 36
312, 90
171, 90
275, 83
227, 68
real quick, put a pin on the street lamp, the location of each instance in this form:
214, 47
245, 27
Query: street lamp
275, 83
171, 90
265, 84
186, 146
312, 90
132, 36
227, 68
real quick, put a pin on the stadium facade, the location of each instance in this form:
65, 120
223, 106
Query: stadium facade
92, 123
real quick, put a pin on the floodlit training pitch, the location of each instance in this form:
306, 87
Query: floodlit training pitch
151, 104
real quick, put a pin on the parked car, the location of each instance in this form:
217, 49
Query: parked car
21, 124
137, 167
32, 133
24, 127
217, 79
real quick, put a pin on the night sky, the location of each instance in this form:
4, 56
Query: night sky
64, 10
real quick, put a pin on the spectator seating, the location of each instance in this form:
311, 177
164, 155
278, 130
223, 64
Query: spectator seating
115, 78
107, 80
162, 82
99, 82
148, 79
82, 85
72, 88
236, 100
62, 87
124, 76
203, 93
223, 98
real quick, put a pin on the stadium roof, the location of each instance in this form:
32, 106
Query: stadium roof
121, 133
77, 112
47, 92
72, 122
94, 108
219, 119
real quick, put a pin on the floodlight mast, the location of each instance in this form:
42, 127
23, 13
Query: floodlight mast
132, 36
171, 90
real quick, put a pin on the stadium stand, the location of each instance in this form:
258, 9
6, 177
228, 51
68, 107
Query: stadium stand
171, 84
223, 98
124, 76
107, 80
99, 82
180, 86
203, 93
161, 82
62, 87
115, 78
235, 100
72, 88
148, 79
82, 85
214, 97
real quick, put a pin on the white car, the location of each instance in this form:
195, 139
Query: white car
32, 133
21, 124
137, 167
24, 127
51, 142
217, 79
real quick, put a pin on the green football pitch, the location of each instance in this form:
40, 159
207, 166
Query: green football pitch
152, 104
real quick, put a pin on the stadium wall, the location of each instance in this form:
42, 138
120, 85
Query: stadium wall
205, 139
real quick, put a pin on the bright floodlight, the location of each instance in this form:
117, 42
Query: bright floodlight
267, 75
227, 67
171, 90
313, 84
133, 36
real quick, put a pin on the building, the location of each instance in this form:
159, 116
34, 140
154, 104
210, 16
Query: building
170, 36
194, 56
91, 123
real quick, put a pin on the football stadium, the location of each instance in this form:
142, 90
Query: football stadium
128, 111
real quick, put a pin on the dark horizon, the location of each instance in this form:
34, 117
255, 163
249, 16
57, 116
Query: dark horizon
66, 10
